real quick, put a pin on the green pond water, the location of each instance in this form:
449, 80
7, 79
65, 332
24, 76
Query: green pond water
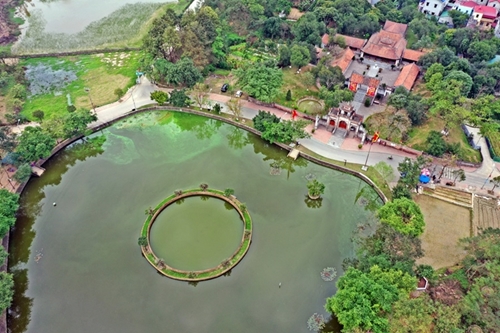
194, 234
78, 267
72, 16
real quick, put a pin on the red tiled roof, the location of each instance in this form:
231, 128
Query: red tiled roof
353, 42
344, 60
488, 12
470, 4
366, 80
385, 44
371, 82
412, 55
407, 76
356, 78
325, 39
397, 28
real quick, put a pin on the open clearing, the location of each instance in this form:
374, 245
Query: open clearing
445, 225
101, 73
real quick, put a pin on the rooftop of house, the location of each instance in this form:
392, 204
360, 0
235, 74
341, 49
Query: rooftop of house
412, 55
353, 42
385, 44
325, 39
366, 80
468, 4
343, 60
394, 27
407, 77
488, 12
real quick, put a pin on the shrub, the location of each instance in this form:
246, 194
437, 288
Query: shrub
264, 117
436, 146
367, 102
38, 114
23, 173
404, 215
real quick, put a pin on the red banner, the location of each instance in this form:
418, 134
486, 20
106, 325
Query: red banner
371, 91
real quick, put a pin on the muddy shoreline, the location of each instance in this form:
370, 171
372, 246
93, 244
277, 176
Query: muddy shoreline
8, 29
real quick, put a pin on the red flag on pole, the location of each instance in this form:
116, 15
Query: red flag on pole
376, 136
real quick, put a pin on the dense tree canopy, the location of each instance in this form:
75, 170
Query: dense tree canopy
34, 144
261, 80
363, 297
403, 215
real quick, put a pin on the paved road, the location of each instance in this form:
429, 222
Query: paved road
139, 96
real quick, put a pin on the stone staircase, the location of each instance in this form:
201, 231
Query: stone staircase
360, 95
450, 195
486, 214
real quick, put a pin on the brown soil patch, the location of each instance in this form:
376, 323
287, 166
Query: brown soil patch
3, 110
295, 14
447, 292
445, 225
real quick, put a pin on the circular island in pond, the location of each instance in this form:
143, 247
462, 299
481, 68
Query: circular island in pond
196, 275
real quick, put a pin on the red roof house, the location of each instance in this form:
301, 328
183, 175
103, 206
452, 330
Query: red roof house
344, 60
397, 28
486, 11
412, 55
386, 45
407, 77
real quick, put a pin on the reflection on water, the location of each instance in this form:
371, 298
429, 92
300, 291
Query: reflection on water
92, 266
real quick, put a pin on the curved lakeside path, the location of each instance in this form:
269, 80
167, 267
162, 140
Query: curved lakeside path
139, 96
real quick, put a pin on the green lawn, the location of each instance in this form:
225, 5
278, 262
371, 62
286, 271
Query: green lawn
494, 139
102, 73
418, 136
298, 88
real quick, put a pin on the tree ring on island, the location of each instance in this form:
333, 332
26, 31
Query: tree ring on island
201, 275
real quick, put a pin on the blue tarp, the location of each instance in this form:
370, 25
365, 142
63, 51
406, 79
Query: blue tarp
424, 179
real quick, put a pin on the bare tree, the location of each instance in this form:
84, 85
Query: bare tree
200, 94
234, 105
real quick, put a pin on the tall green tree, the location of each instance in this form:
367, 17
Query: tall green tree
260, 81
34, 144
299, 55
363, 299
308, 29
76, 123
403, 215
6, 290
9, 203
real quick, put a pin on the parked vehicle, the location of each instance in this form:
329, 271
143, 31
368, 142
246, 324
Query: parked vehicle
238, 93
224, 87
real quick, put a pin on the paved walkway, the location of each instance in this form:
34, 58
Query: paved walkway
139, 96
318, 143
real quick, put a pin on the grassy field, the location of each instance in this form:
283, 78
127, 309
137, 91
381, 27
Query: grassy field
417, 136
494, 139
442, 218
299, 88
102, 73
